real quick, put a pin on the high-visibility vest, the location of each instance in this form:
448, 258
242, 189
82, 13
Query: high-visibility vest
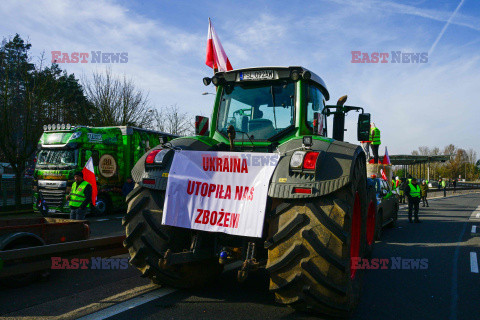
375, 138
77, 196
394, 186
444, 183
414, 191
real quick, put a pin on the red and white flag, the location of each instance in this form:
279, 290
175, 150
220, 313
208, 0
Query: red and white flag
216, 56
89, 176
384, 176
386, 158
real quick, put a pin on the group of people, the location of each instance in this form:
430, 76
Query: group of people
442, 184
414, 193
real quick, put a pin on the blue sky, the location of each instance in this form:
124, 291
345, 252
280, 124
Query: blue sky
432, 103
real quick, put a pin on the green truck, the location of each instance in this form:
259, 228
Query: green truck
64, 149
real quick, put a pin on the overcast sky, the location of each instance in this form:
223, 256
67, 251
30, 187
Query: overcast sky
414, 104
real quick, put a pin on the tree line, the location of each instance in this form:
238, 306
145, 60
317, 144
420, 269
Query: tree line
463, 164
35, 94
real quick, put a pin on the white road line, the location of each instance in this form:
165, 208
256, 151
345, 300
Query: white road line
127, 305
473, 262
101, 220
474, 229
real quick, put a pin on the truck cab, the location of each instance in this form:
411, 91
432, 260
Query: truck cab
64, 149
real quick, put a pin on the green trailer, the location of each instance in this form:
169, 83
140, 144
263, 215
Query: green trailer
64, 149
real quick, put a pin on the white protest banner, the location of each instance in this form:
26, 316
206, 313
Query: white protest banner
219, 191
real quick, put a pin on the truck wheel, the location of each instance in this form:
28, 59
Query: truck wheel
372, 221
103, 205
147, 241
394, 216
311, 245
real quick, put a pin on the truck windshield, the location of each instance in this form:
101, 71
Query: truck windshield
48, 157
259, 110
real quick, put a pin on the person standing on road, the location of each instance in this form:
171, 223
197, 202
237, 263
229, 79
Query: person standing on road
444, 186
401, 190
128, 186
375, 138
424, 192
413, 193
80, 197
454, 185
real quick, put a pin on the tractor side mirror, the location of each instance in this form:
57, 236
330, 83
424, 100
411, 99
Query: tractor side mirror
363, 127
201, 126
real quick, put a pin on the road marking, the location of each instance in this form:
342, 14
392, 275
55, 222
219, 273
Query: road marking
474, 229
101, 220
127, 305
454, 300
475, 214
473, 262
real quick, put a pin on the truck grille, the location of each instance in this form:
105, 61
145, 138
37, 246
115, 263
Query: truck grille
53, 197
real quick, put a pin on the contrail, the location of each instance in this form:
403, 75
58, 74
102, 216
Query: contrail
445, 28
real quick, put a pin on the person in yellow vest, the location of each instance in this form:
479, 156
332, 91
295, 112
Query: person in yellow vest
444, 187
375, 138
413, 193
80, 197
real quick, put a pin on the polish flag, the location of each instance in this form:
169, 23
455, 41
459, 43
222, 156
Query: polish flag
384, 176
216, 56
386, 158
89, 176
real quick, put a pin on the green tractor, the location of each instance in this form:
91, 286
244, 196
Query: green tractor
315, 211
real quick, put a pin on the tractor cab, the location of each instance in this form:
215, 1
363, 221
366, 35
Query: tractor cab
272, 104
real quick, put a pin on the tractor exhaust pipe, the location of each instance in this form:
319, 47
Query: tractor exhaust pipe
339, 120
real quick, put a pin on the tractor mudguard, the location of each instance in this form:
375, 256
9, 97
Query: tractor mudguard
333, 171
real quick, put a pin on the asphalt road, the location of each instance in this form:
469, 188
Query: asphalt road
446, 289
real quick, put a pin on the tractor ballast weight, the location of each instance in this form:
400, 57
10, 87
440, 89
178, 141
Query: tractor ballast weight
309, 237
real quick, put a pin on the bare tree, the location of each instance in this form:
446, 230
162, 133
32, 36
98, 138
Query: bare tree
172, 120
117, 101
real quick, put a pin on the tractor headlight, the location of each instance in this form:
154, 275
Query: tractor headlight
297, 159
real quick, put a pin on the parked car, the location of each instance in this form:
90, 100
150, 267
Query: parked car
387, 205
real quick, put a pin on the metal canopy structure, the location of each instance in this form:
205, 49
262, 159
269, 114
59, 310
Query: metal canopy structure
402, 160
417, 165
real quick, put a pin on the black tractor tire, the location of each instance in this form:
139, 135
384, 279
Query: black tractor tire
310, 246
393, 223
147, 241
373, 221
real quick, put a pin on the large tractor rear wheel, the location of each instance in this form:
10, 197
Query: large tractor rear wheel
148, 240
310, 247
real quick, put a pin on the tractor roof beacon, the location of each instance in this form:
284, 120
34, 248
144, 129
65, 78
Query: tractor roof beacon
315, 226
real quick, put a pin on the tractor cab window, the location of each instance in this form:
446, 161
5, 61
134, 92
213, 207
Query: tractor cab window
315, 103
259, 110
